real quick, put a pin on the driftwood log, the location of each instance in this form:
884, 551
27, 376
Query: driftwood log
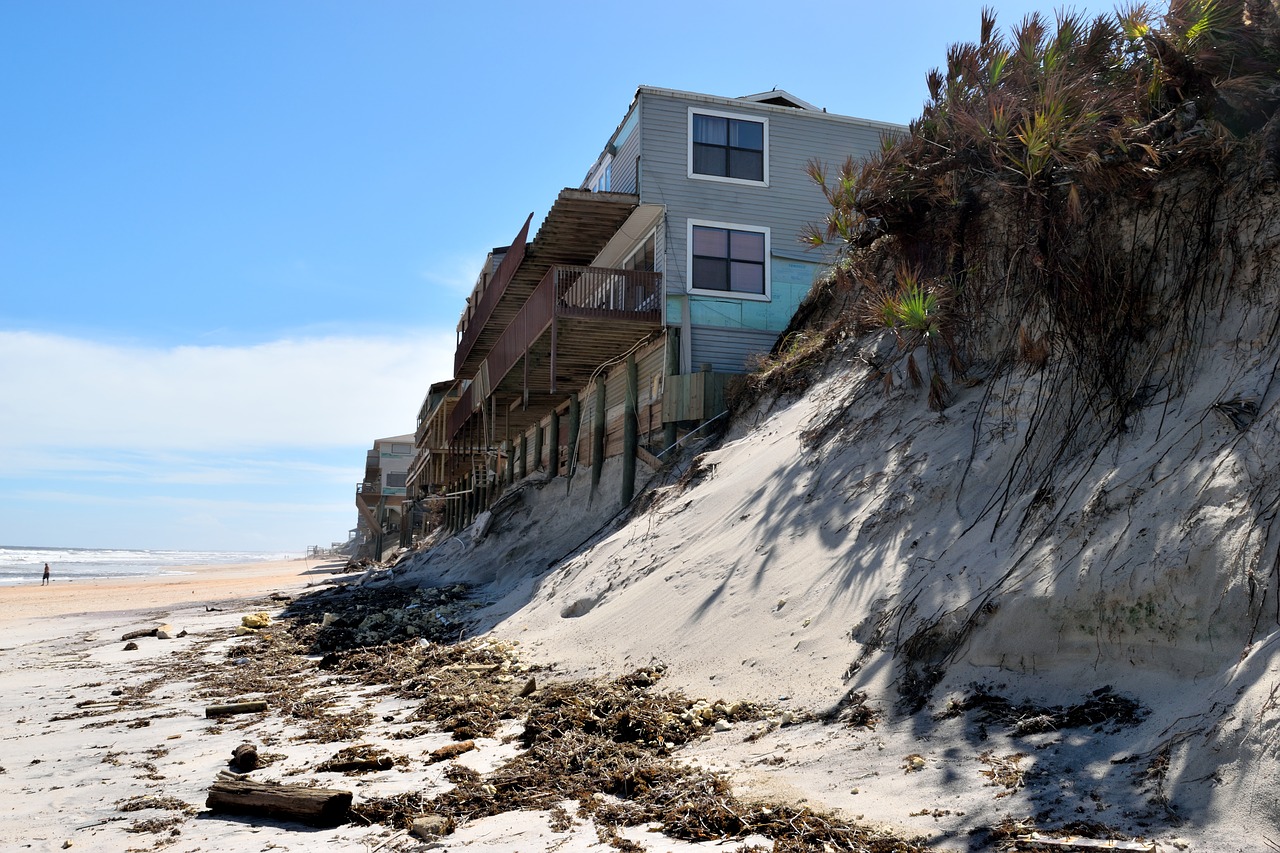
451, 750
312, 806
244, 757
141, 632
235, 708
358, 764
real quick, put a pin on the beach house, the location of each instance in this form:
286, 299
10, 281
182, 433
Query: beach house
380, 496
612, 329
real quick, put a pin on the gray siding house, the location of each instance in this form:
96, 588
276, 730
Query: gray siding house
726, 177
643, 290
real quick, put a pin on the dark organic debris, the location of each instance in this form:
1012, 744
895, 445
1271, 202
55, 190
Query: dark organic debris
151, 801
608, 746
853, 711
1103, 707
1026, 836
156, 825
605, 744
342, 619
361, 758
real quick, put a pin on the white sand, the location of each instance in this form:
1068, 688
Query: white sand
795, 572
72, 751
871, 558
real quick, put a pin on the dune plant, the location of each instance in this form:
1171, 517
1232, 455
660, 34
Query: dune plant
1052, 121
915, 312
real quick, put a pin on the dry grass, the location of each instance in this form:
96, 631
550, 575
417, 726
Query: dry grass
1004, 771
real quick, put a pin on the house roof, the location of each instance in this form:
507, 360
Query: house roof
780, 98
775, 99
394, 439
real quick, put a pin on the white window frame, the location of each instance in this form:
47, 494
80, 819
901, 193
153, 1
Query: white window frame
602, 178
652, 233
767, 296
764, 120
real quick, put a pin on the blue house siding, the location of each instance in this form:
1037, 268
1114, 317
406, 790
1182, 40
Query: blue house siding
730, 331
727, 350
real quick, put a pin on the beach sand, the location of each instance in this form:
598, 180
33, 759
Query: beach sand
108, 749
195, 585
88, 725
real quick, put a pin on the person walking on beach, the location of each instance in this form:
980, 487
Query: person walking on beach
45, 580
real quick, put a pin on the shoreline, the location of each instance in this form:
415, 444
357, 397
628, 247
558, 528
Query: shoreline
95, 730
26, 609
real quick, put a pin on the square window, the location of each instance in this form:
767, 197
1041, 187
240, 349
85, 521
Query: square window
727, 147
729, 260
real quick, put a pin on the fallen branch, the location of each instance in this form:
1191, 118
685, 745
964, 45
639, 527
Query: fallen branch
235, 708
312, 806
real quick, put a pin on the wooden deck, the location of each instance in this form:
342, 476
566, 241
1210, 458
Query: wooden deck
577, 320
577, 227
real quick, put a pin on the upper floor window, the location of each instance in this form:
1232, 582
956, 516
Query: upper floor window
643, 257
729, 260
726, 147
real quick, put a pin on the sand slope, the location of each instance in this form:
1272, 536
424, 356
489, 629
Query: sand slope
853, 540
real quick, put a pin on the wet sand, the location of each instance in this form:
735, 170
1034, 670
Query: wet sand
25, 609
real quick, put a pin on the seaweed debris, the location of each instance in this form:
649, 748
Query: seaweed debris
608, 746
352, 617
1104, 707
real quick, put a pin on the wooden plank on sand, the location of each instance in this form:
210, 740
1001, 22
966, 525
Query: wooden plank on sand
312, 806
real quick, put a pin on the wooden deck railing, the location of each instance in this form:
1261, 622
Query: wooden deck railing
567, 291
489, 299
607, 293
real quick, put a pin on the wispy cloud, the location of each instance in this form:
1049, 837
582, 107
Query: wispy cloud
233, 447
70, 394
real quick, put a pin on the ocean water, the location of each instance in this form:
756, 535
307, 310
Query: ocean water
25, 565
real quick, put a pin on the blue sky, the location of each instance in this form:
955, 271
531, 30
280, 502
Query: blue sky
235, 236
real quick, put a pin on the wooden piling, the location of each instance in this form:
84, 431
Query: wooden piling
630, 432
597, 437
575, 427
553, 455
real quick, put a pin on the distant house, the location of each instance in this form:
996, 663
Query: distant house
645, 287
381, 495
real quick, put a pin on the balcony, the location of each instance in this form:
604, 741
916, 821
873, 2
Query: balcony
482, 310
576, 319
578, 226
